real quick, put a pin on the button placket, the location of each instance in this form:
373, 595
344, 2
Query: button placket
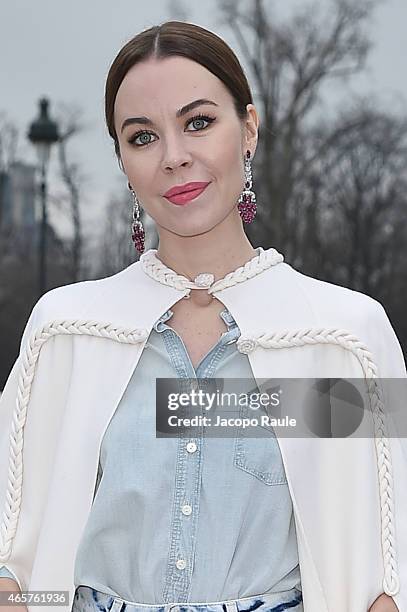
184, 524
187, 489
188, 473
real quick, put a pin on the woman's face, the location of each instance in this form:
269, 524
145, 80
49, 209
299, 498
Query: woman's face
171, 150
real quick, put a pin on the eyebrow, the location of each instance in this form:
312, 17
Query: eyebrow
180, 112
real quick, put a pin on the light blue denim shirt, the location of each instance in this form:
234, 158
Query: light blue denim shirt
186, 519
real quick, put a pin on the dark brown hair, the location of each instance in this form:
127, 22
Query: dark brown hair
187, 40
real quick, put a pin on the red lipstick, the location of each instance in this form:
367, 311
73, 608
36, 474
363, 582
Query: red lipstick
181, 194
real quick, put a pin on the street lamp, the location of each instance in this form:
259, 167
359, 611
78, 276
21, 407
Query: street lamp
43, 133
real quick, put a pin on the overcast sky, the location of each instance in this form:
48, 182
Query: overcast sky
64, 49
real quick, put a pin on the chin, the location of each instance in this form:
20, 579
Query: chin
190, 229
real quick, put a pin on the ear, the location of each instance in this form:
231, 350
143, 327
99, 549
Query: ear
250, 130
119, 161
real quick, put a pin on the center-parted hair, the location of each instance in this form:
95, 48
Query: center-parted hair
184, 39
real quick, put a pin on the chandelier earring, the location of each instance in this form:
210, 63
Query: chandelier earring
137, 230
247, 200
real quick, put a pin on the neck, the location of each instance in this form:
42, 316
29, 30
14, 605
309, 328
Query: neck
219, 251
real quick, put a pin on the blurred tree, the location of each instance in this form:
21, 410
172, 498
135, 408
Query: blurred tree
71, 124
363, 185
19, 257
353, 228
289, 62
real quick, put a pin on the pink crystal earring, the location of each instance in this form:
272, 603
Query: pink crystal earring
247, 200
137, 234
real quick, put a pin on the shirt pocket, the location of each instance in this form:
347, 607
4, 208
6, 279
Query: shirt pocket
258, 456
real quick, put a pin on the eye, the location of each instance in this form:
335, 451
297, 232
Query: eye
201, 118
138, 134
141, 133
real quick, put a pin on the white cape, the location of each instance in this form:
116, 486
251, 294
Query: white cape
78, 352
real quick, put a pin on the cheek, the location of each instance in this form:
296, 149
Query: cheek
230, 168
228, 154
138, 168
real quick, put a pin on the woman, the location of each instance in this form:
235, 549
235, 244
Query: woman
125, 521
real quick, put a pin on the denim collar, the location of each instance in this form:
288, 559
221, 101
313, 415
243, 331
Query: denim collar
229, 336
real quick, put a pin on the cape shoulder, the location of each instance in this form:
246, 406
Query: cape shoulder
360, 314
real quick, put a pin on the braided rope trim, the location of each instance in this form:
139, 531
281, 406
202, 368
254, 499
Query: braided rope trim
287, 339
158, 271
11, 511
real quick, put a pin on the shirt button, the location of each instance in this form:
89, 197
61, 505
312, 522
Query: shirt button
181, 564
187, 509
191, 447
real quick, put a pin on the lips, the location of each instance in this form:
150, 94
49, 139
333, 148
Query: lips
195, 186
183, 198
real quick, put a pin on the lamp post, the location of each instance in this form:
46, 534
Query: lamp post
43, 133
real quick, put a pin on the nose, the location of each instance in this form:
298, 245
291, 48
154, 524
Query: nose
175, 155
171, 165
